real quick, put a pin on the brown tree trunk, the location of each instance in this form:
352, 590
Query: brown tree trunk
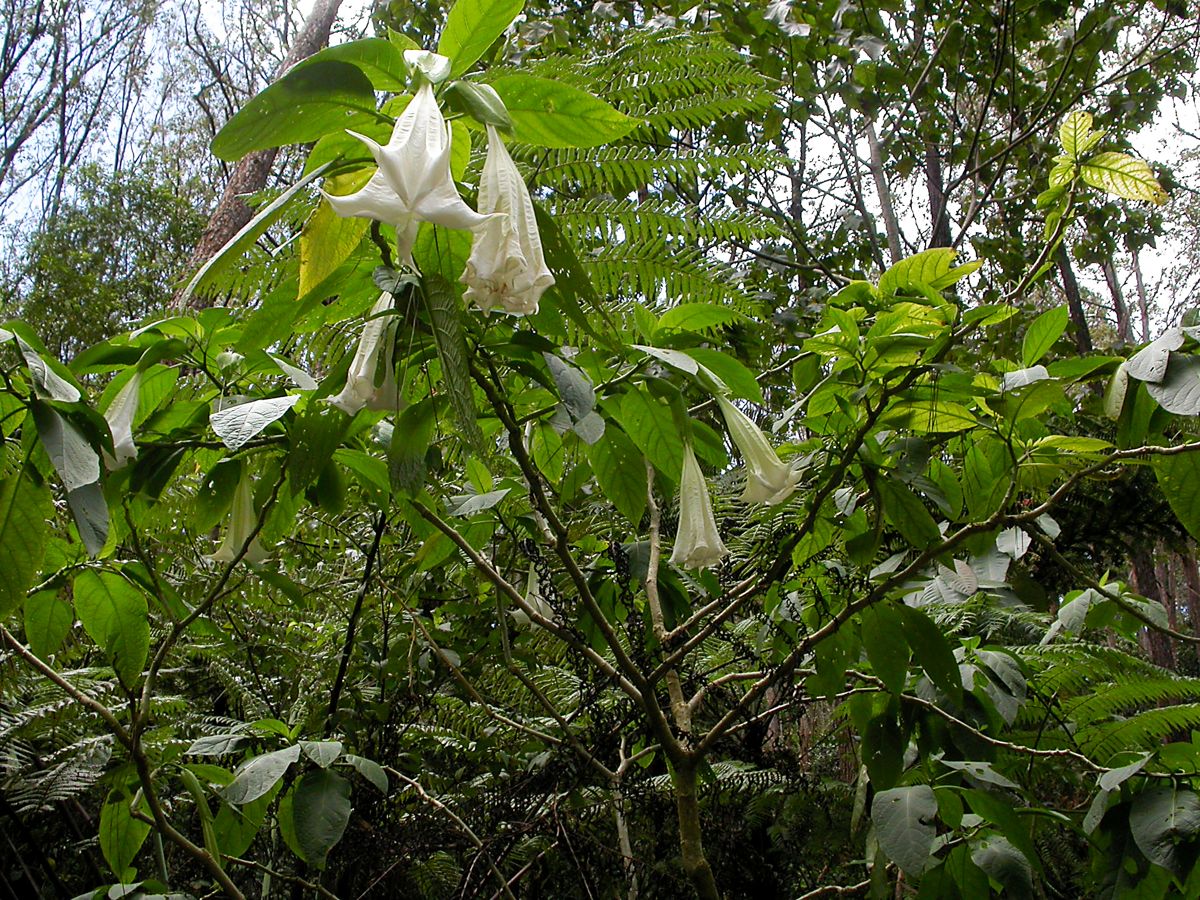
1083, 335
935, 184
1190, 587
250, 173
1124, 326
1146, 583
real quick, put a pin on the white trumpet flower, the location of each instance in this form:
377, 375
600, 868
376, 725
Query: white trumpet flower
413, 183
506, 267
533, 596
698, 545
768, 479
242, 519
119, 417
366, 385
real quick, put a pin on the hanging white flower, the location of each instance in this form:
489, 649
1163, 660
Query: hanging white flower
506, 267
768, 478
413, 183
119, 417
242, 519
371, 378
698, 545
533, 596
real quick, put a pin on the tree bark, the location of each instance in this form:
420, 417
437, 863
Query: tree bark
691, 844
935, 184
884, 191
1083, 335
1146, 583
1124, 326
251, 172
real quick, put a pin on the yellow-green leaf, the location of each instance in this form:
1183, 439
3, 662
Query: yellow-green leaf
1123, 176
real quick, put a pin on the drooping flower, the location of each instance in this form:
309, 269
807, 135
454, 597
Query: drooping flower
371, 378
533, 596
698, 545
413, 183
506, 267
242, 519
768, 478
119, 417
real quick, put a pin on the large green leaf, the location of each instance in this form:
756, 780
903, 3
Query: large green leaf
1122, 176
903, 818
883, 639
1042, 333
48, 621
1179, 478
235, 425
650, 425
621, 473
1161, 819
907, 514
471, 27
260, 774
320, 811
929, 269
1179, 391
380, 60
114, 613
308, 102
552, 114
74, 458
25, 508
121, 835
932, 649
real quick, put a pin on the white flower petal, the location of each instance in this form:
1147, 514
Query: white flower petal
506, 267
361, 388
242, 519
413, 183
698, 544
768, 479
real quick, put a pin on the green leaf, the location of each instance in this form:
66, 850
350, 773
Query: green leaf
326, 241
740, 380
90, 512
1150, 363
115, 615
75, 460
236, 425
308, 102
410, 442
237, 826
553, 114
907, 514
48, 621
1004, 864
1161, 819
578, 395
1074, 132
1179, 391
698, 317
381, 61
883, 639
25, 508
1122, 175
368, 769
121, 836
445, 314
471, 27
620, 471
1042, 333
320, 811
259, 774
651, 426
931, 648
928, 269
903, 818
1179, 478
929, 416
321, 752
